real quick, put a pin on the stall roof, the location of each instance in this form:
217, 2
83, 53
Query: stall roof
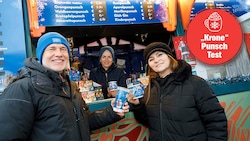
141, 33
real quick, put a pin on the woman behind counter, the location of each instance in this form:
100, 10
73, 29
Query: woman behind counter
108, 71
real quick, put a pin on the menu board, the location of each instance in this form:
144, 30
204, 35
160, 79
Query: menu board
99, 12
114, 12
12, 41
236, 7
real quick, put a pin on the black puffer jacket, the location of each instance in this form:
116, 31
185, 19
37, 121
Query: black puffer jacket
39, 106
100, 76
182, 107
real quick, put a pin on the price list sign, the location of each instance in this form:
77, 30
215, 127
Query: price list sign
98, 12
148, 10
236, 7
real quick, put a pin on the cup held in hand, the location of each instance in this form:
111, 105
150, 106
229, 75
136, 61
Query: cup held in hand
120, 99
112, 85
137, 90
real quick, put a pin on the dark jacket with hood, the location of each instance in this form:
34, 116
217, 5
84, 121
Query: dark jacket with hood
101, 76
182, 107
41, 106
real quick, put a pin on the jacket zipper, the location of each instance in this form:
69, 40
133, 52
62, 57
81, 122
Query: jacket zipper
76, 114
77, 120
106, 76
74, 106
161, 114
64, 91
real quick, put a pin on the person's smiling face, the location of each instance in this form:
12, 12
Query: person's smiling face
106, 59
55, 57
160, 63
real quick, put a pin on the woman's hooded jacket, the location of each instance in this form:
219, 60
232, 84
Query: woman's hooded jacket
182, 107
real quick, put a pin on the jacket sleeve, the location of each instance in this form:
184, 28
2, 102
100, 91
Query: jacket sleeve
16, 118
140, 113
211, 112
92, 75
139, 110
102, 117
98, 118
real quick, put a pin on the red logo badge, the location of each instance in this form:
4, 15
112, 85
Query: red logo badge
214, 36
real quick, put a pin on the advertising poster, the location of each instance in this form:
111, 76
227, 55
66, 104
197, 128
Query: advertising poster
182, 51
236, 7
12, 40
221, 52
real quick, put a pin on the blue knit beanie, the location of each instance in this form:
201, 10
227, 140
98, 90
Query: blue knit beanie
110, 49
48, 39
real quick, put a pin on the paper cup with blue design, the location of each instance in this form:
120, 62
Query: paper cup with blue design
112, 85
137, 90
120, 98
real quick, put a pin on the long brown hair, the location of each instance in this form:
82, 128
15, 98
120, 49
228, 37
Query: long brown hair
152, 74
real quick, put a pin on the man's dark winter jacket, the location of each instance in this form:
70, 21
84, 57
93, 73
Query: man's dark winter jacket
182, 107
41, 106
100, 76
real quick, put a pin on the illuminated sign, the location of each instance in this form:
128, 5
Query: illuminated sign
100, 12
115, 12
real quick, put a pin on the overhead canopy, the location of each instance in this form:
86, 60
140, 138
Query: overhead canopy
92, 48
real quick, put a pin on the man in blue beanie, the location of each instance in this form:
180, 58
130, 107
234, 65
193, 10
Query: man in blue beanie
42, 104
54, 59
48, 39
107, 71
